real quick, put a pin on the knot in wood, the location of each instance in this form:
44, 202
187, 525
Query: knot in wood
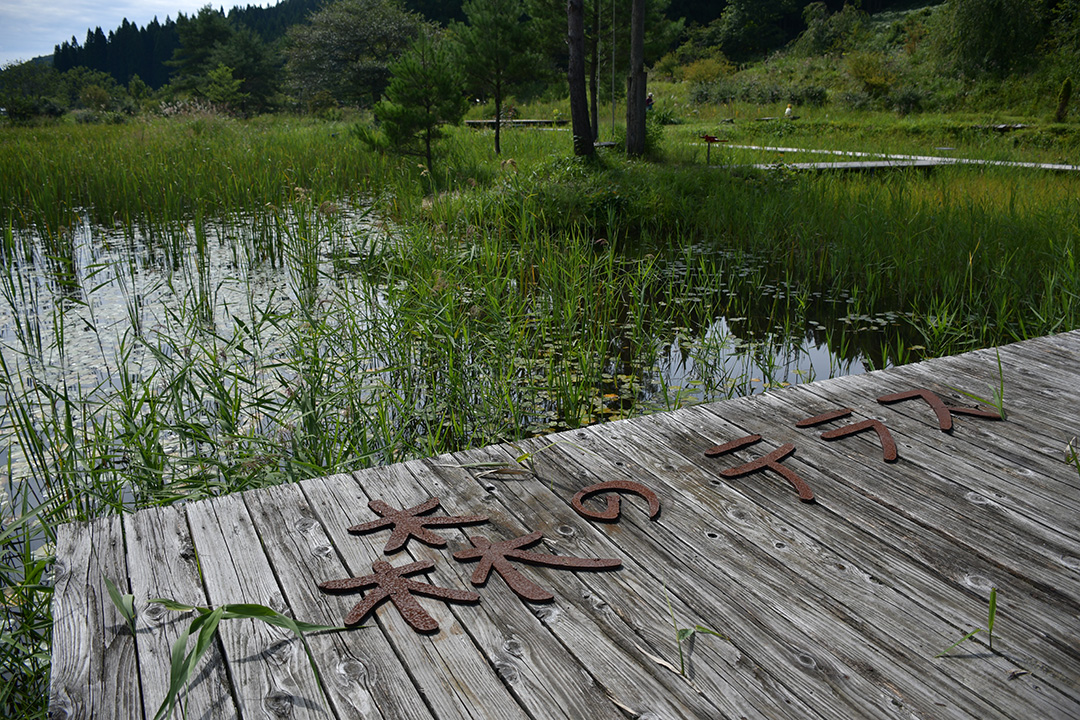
153, 613
512, 646
507, 670
278, 703
280, 652
353, 670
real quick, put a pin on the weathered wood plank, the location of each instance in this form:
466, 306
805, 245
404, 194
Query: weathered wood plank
832, 610
270, 676
774, 636
94, 671
933, 484
162, 564
595, 616
361, 674
867, 552
530, 661
1003, 461
712, 545
818, 561
450, 672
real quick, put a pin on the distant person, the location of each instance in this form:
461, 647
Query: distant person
788, 112
648, 102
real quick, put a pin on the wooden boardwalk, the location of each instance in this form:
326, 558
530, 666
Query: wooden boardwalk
884, 161
833, 609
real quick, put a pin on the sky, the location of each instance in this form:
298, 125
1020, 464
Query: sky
30, 28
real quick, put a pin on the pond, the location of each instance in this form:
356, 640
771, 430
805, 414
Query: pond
148, 363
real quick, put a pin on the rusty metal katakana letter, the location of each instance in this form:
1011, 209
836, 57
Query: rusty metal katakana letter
943, 412
406, 524
612, 511
718, 450
391, 583
497, 556
888, 446
823, 418
769, 462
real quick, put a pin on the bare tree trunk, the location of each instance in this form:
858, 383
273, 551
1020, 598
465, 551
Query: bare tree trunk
594, 71
635, 85
579, 102
498, 115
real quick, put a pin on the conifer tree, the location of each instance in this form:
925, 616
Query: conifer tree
346, 48
494, 50
575, 74
423, 95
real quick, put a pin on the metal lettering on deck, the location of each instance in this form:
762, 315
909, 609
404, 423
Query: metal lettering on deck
611, 512
944, 412
406, 524
888, 445
392, 584
769, 462
497, 556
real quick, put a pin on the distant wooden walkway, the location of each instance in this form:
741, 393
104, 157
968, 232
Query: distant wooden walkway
516, 123
834, 609
879, 161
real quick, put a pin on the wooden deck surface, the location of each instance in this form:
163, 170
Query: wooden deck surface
834, 609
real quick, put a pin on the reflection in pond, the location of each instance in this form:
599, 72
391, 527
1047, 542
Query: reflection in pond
146, 363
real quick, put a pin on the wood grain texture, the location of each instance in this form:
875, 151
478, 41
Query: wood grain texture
831, 610
94, 671
269, 671
162, 563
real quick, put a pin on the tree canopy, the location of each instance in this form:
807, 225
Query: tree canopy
346, 48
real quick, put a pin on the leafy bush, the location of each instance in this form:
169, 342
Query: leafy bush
1063, 100
707, 69
827, 32
663, 116
857, 100
997, 37
811, 95
906, 100
873, 71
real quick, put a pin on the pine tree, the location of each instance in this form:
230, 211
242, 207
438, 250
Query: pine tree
345, 49
423, 95
575, 73
494, 50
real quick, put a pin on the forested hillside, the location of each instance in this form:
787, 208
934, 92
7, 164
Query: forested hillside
325, 55
146, 51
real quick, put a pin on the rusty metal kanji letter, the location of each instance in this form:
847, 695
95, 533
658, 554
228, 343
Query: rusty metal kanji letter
407, 524
497, 556
391, 584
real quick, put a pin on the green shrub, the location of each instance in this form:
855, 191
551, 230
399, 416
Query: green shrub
906, 100
873, 71
811, 95
707, 69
